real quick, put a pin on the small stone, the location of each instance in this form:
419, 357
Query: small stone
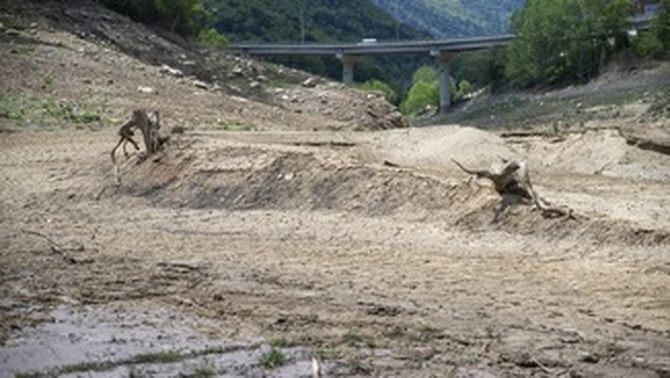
146, 90
88, 81
310, 83
33, 25
165, 69
2, 26
12, 32
254, 84
589, 358
262, 78
201, 84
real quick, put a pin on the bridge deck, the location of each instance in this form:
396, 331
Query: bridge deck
404, 47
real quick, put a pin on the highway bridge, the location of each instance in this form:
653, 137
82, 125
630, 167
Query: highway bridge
442, 50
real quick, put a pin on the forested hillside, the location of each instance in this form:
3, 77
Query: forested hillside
324, 20
453, 18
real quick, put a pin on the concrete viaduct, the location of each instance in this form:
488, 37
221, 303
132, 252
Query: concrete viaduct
442, 50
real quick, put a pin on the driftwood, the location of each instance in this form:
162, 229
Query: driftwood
149, 128
61, 251
512, 182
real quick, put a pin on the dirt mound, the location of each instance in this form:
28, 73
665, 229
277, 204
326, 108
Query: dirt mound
601, 152
235, 177
196, 87
433, 148
358, 109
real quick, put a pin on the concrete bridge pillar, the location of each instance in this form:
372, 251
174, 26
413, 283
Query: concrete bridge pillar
443, 58
348, 64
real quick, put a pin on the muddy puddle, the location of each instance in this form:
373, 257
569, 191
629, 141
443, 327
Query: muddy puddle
111, 341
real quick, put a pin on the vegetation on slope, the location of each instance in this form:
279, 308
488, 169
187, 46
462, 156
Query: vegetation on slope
566, 41
453, 18
323, 21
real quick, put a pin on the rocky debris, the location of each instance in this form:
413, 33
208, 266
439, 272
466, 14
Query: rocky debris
146, 90
12, 32
165, 69
250, 69
360, 110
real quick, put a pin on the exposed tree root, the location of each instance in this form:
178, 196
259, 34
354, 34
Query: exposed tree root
149, 128
512, 182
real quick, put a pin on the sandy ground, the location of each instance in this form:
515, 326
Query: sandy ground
309, 237
366, 251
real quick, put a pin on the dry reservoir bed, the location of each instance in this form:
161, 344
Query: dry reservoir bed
248, 254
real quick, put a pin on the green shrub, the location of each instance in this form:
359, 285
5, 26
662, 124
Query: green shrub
211, 37
419, 96
272, 359
378, 85
648, 45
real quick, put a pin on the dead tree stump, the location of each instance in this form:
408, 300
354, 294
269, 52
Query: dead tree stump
512, 182
149, 128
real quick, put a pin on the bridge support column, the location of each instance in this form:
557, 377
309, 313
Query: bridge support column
443, 58
348, 64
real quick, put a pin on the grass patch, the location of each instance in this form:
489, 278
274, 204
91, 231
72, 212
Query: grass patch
80, 367
162, 357
281, 342
356, 340
272, 359
135, 373
200, 371
424, 333
23, 109
471, 359
26, 374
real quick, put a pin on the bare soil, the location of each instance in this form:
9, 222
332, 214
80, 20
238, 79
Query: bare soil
366, 250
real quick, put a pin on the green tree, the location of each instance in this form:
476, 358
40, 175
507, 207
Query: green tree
426, 74
419, 96
660, 25
184, 16
187, 17
564, 41
425, 91
482, 68
377, 85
